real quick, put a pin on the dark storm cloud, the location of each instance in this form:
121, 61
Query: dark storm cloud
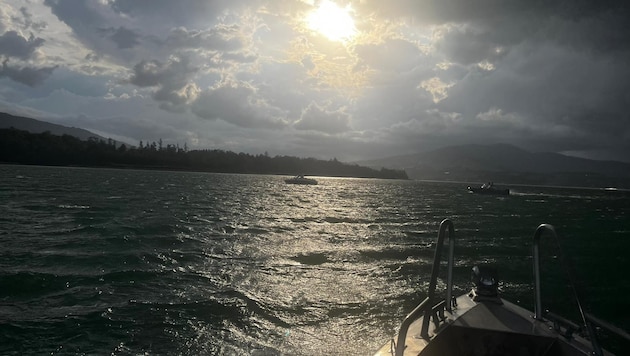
582, 25
551, 88
30, 76
14, 45
174, 73
467, 45
555, 70
123, 37
78, 14
486, 11
176, 13
163, 56
172, 79
150, 28
238, 103
96, 26
176, 99
122, 40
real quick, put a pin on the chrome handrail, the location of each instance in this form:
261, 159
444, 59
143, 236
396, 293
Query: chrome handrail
446, 223
589, 320
402, 334
607, 326
427, 304
539, 231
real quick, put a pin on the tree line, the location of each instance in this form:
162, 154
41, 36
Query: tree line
23, 147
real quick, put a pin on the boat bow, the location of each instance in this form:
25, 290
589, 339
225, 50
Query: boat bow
482, 323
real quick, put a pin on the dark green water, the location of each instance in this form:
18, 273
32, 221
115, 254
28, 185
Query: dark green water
141, 262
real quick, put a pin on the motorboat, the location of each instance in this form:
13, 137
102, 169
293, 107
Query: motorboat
490, 191
488, 188
300, 179
480, 322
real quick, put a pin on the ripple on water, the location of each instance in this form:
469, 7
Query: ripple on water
133, 262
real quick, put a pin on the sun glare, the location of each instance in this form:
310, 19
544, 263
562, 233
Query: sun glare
332, 21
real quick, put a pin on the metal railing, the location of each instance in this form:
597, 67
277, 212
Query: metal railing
589, 321
590, 328
538, 311
427, 304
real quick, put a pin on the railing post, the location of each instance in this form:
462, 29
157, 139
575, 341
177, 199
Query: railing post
449, 278
402, 333
588, 322
446, 223
427, 305
536, 254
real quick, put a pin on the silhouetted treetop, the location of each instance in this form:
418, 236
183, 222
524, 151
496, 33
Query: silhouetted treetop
22, 147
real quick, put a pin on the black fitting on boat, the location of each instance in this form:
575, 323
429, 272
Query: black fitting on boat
486, 280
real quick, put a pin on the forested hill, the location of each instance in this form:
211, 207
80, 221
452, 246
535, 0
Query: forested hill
37, 126
22, 147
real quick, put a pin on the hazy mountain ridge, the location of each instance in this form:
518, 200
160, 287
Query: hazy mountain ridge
470, 163
508, 164
38, 126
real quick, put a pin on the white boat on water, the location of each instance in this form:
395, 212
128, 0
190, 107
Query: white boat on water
489, 188
300, 179
480, 322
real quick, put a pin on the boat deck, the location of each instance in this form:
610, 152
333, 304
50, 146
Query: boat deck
480, 323
488, 328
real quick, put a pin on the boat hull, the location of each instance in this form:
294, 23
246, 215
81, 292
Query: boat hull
493, 327
303, 181
482, 323
489, 191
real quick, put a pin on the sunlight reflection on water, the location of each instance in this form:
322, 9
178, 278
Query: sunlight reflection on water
237, 264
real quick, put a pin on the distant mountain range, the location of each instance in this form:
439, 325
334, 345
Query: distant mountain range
499, 163
507, 164
37, 126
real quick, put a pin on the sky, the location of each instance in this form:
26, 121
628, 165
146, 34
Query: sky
348, 79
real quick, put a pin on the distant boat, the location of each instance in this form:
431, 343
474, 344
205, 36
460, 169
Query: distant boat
480, 322
488, 188
300, 179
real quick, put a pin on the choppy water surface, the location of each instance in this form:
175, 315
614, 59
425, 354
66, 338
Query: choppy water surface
142, 262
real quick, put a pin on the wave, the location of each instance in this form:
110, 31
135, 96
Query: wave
73, 206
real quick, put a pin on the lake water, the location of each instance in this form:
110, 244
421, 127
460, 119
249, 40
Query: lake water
124, 262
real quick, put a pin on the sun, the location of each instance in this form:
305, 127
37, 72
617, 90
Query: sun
332, 21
